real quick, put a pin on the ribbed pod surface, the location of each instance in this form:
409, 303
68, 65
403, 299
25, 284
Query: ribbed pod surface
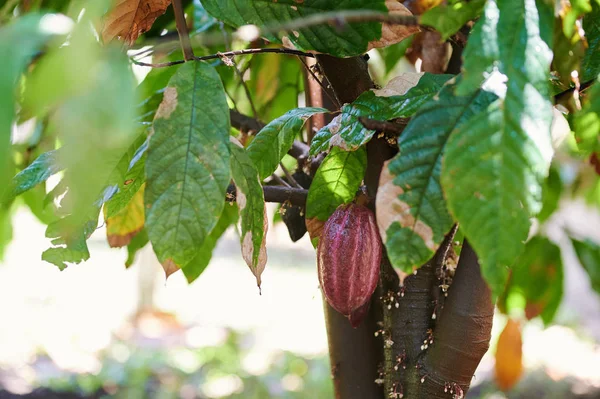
349, 257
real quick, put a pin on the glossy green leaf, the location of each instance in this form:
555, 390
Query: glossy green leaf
411, 209
447, 19
588, 253
590, 65
336, 182
513, 37
587, 122
187, 168
197, 265
251, 202
536, 281
496, 163
19, 42
37, 172
492, 176
274, 140
351, 39
347, 132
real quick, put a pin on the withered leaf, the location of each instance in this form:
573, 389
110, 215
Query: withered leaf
130, 18
509, 353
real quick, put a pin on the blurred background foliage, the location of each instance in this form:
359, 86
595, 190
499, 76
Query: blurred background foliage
65, 91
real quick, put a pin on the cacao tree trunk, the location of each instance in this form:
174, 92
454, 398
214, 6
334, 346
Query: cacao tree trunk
401, 349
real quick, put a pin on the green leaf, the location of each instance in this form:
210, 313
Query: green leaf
495, 164
202, 21
19, 42
69, 236
35, 200
447, 19
37, 172
551, 193
138, 242
513, 37
130, 183
251, 201
392, 54
274, 84
537, 277
588, 253
6, 228
495, 186
587, 122
590, 65
197, 265
347, 132
411, 209
187, 168
274, 140
352, 39
336, 182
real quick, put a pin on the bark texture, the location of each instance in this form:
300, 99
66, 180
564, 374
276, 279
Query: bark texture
400, 350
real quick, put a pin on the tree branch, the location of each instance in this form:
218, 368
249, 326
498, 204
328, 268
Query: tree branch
184, 36
243, 122
280, 194
391, 128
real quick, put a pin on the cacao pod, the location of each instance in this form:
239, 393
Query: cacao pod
292, 215
348, 259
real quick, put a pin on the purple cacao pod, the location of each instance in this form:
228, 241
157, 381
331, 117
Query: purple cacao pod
349, 257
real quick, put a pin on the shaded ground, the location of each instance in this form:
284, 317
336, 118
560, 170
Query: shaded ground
218, 338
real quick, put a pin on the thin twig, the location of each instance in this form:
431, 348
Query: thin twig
289, 176
231, 62
333, 99
228, 54
182, 30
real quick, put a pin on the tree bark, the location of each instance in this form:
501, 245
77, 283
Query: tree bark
400, 343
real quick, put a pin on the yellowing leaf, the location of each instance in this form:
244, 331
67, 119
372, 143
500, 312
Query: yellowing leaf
122, 227
509, 353
130, 18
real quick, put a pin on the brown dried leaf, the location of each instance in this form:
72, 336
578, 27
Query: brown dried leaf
390, 209
130, 18
248, 249
393, 33
399, 85
169, 267
314, 227
509, 353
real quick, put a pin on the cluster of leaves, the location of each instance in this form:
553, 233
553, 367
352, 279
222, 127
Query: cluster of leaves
163, 158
